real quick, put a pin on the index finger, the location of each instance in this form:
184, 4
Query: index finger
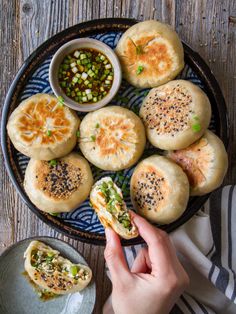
161, 251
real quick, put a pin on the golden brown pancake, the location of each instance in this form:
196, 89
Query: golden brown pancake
205, 162
59, 185
175, 114
150, 53
43, 128
112, 138
159, 189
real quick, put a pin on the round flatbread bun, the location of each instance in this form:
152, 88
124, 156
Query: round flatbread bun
159, 189
43, 128
112, 138
175, 114
205, 162
58, 185
150, 53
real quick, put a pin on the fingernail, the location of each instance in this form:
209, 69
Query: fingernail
108, 233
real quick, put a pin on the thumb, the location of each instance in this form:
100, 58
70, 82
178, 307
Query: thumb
115, 258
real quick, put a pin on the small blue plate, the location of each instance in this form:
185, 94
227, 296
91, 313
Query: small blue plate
17, 295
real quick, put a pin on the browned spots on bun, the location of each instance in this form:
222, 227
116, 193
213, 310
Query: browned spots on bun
194, 160
149, 51
43, 121
59, 181
149, 188
168, 110
54, 281
114, 134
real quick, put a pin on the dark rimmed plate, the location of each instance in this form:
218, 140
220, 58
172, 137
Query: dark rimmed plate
17, 295
32, 78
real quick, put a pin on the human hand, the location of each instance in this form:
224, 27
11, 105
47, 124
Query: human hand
156, 280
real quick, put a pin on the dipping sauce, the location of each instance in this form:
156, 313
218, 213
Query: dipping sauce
86, 75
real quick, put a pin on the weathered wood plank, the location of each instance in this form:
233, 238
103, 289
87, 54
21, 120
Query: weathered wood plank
208, 26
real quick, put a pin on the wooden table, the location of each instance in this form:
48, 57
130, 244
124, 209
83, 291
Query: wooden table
208, 26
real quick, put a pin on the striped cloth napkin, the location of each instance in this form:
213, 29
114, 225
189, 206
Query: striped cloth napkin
206, 246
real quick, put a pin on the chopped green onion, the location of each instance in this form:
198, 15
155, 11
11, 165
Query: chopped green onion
196, 127
97, 125
73, 270
50, 254
61, 100
76, 54
139, 69
49, 132
53, 162
93, 138
74, 70
83, 56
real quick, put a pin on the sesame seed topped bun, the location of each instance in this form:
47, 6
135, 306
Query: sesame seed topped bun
205, 162
159, 189
175, 114
58, 185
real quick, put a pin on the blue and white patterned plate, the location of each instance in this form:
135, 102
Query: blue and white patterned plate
83, 223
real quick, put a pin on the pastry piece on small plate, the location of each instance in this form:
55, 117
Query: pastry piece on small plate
112, 138
59, 185
175, 114
159, 189
150, 53
50, 271
107, 200
43, 128
205, 162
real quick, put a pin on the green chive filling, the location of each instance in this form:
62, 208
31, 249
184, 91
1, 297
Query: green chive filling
113, 198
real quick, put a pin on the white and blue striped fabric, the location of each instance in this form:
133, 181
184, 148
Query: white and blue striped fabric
206, 246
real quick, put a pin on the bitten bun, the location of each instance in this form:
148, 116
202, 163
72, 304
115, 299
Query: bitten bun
49, 270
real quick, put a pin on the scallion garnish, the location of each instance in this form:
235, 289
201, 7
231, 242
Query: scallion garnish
93, 138
196, 127
61, 100
139, 69
49, 132
53, 162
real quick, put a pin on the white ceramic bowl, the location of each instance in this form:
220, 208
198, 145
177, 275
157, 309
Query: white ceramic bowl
78, 44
